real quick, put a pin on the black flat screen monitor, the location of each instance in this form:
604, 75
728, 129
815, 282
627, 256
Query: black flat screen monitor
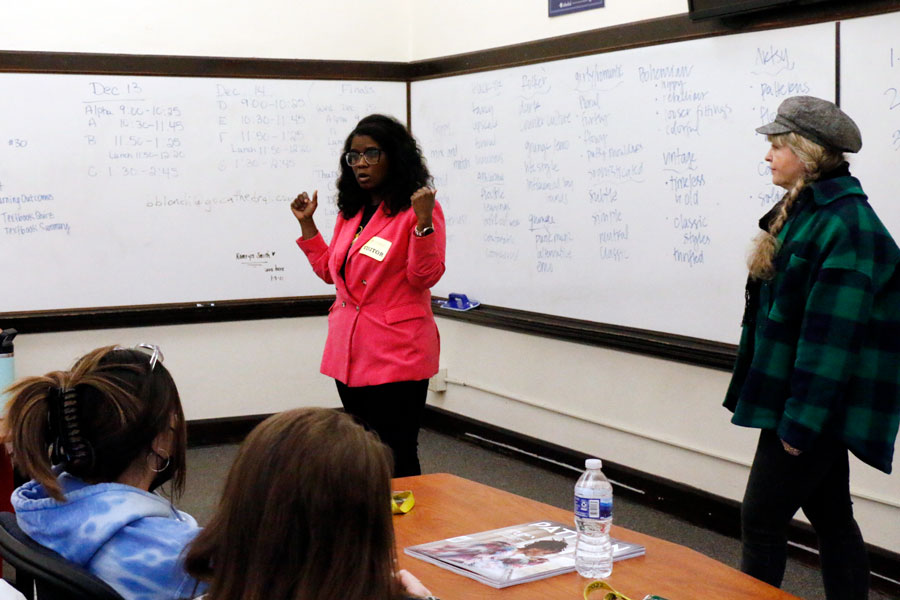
706, 9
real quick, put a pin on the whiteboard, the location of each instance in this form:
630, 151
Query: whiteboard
620, 188
870, 94
120, 190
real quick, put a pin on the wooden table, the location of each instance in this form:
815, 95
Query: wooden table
448, 506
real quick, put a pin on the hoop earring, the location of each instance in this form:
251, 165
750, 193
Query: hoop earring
153, 454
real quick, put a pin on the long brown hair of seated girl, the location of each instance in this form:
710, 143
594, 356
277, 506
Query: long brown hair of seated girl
305, 514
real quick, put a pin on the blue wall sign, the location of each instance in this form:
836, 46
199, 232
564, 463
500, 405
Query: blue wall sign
564, 7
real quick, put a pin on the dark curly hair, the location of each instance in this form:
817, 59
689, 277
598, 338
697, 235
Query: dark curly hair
406, 167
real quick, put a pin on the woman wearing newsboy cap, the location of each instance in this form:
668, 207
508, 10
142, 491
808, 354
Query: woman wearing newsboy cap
818, 367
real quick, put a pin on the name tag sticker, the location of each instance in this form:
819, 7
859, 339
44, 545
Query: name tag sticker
376, 248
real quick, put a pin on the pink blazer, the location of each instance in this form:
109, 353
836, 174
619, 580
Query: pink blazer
380, 328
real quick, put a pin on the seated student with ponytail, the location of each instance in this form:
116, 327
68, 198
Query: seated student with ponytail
97, 441
306, 513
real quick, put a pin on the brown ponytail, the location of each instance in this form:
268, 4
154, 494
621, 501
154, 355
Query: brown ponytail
26, 427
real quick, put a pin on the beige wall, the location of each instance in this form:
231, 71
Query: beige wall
387, 30
441, 28
221, 369
328, 30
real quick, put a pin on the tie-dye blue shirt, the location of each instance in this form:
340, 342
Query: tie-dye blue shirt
129, 538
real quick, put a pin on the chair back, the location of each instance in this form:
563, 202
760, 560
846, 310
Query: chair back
54, 577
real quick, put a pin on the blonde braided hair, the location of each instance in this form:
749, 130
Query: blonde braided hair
816, 160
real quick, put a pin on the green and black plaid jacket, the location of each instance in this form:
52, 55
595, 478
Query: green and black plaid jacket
820, 348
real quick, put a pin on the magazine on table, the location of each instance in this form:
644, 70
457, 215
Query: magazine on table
515, 554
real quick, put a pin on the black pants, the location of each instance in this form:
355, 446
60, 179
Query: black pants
818, 481
394, 412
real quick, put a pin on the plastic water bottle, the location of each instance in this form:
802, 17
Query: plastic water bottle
593, 519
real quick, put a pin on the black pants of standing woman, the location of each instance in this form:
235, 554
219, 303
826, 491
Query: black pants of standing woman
394, 412
818, 481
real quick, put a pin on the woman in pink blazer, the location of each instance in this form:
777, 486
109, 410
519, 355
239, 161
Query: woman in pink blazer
386, 252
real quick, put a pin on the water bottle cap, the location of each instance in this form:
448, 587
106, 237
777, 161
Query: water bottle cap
6, 340
593, 463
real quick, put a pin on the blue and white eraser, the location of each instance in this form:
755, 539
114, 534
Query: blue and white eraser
458, 302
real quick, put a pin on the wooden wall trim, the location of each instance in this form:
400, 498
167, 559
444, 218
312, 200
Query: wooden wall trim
690, 350
166, 314
222, 430
597, 41
199, 66
651, 32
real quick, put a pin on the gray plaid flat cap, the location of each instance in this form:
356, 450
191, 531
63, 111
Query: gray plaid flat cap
817, 120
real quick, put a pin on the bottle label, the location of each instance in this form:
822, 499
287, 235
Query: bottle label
593, 508
7, 375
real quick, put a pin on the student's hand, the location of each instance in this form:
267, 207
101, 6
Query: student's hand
411, 584
303, 206
423, 205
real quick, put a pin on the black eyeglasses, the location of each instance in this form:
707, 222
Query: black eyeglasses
151, 350
371, 156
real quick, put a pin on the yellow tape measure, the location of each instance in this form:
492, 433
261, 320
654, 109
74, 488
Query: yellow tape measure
611, 594
402, 502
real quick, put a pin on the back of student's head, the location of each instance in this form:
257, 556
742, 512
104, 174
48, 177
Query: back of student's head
96, 419
305, 514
